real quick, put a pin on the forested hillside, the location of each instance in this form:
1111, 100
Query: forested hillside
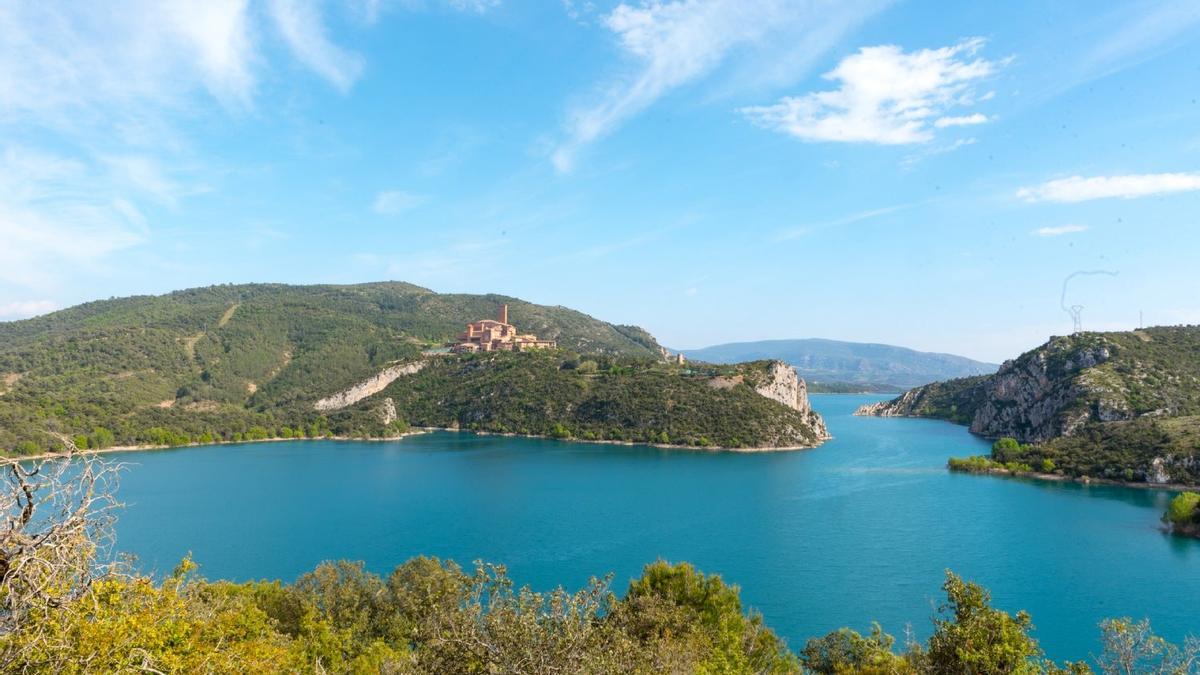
605, 398
224, 360
248, 362
1122, 406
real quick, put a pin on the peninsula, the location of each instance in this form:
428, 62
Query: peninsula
263, 361
1118, 406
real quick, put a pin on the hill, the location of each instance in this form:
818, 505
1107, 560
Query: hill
1122, 406
841, 366
251, 361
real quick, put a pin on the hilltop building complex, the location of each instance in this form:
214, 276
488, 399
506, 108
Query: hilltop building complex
497, 335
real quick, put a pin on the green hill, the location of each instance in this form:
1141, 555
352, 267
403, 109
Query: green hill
250, 361
1121, 406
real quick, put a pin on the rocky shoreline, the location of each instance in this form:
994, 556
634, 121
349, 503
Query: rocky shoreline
1082, 480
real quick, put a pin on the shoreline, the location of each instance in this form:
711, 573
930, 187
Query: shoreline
142, 448
1081, 480
415, 431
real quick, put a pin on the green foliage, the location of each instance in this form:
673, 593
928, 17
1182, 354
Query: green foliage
626, 399
846, 651
677, 599
223, 359
1006, 444
1183, 514
971, 636
1140, 404
101, 438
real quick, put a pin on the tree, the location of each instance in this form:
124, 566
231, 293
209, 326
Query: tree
58, 515
739, 642
846, 651
972, 638
1131, 648
1184, 509
102, 438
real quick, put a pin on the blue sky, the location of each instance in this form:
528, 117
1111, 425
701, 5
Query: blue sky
916, 173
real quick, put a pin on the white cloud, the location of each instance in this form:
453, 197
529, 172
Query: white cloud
1129, 186
302, 27
961, 121
57, 213
886, 96
393, 202
23, 309
1059, 230
477, 6
672, 44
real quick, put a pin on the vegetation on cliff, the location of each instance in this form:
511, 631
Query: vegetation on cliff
1118, 406
230, 363
602, 398
63, 611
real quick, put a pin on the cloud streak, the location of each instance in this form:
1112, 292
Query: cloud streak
885, 96
303, 29
1130, 186
395, 202
1059, 230
672, 44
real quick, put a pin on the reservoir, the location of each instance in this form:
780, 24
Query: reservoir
859, 529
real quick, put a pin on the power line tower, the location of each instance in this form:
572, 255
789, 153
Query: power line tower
1076, 311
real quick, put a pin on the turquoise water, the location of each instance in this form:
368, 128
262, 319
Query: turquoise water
858, 529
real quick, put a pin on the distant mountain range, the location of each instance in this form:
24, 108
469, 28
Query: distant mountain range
832, 365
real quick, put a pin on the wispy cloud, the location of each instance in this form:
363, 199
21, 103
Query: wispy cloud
672, 44
802, 230
1129, 186
934, 150
395, 202
303, 28
23, 309
57, 212
1135, 33
886, 96
961, 121
477, 6
1059, 230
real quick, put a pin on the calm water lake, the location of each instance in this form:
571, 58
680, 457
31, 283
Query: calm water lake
858, 529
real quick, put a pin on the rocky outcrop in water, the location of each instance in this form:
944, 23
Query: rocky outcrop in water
784, 385
368, 387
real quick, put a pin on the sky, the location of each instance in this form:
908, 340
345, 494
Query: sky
924, 174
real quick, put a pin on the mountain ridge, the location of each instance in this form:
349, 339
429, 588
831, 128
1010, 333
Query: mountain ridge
836, 362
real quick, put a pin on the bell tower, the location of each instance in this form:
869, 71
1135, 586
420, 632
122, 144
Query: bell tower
503, 313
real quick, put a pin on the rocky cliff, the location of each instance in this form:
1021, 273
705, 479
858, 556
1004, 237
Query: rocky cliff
1046, 393
783, 384
1122, 405
368, 387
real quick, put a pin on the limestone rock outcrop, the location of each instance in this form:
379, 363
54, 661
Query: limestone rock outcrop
368, 387
784, 385
1047, 393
